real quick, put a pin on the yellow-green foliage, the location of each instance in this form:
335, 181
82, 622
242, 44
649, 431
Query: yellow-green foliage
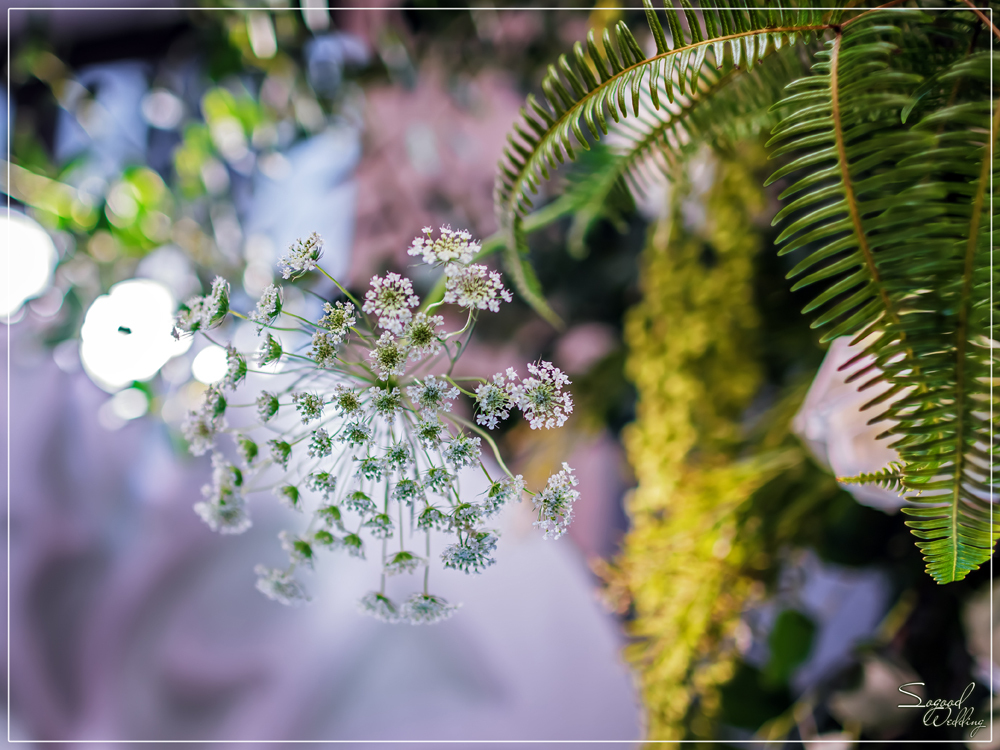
691, 355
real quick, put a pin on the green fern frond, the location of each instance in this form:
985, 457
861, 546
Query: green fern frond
597, 89
892, 214
890, 478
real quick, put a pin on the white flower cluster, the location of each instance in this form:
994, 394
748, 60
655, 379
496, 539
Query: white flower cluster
541, 397
364, 433
391, 298
201, 313
450, 246
301, 257
268, 308
474, 287
554, 504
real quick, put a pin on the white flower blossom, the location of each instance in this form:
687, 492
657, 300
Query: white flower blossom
338, 319
267, 405
199, 313
388, 357
299, 550
356, 434
320, 445
554, 504
462, 450
386, 402
391, 298
309, 405
345, 400
403, 562
301, 257
202, 425
471, 555
378, 606
448, 247
475, 287
236, 368
224, 508
280, 586
541, 397
494, 400
502, 492
324, 350
426, 609
268, 308
421, 336
432, 394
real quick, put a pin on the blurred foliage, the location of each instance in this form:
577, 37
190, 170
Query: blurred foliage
692, 356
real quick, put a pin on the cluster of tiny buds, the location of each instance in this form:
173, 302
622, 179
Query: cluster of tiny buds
360, 442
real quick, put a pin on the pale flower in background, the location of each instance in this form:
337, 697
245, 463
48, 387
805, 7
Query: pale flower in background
832, 425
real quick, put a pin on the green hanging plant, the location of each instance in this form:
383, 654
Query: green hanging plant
890, 141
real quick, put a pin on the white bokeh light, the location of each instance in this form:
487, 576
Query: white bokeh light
27, 256
210, 365
126, 334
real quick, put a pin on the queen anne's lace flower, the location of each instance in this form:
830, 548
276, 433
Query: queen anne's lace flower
429, 432
391, 298
270, 351
203, 424
388, 357
502, 492
360, 502
247, 449
289, 495
475, 287
425, 609
309, 406
433, 518
466, 516
224, 508
236, 368
371, 468
388, 435
199, 313
324, 350
472, 555
380, 526
280, 586
199, 430
301, 257
356, 434
462, 450
450, 246
346, 400
299, 550
422, 337
494, 400
554, 504
320, 445
433, 394
407, 491
267, 405
437, 479
268, 308
378, 606
323, 482
280, 452
398, 457
541, 397
338, 319
403, 562
386, 402
354, 545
